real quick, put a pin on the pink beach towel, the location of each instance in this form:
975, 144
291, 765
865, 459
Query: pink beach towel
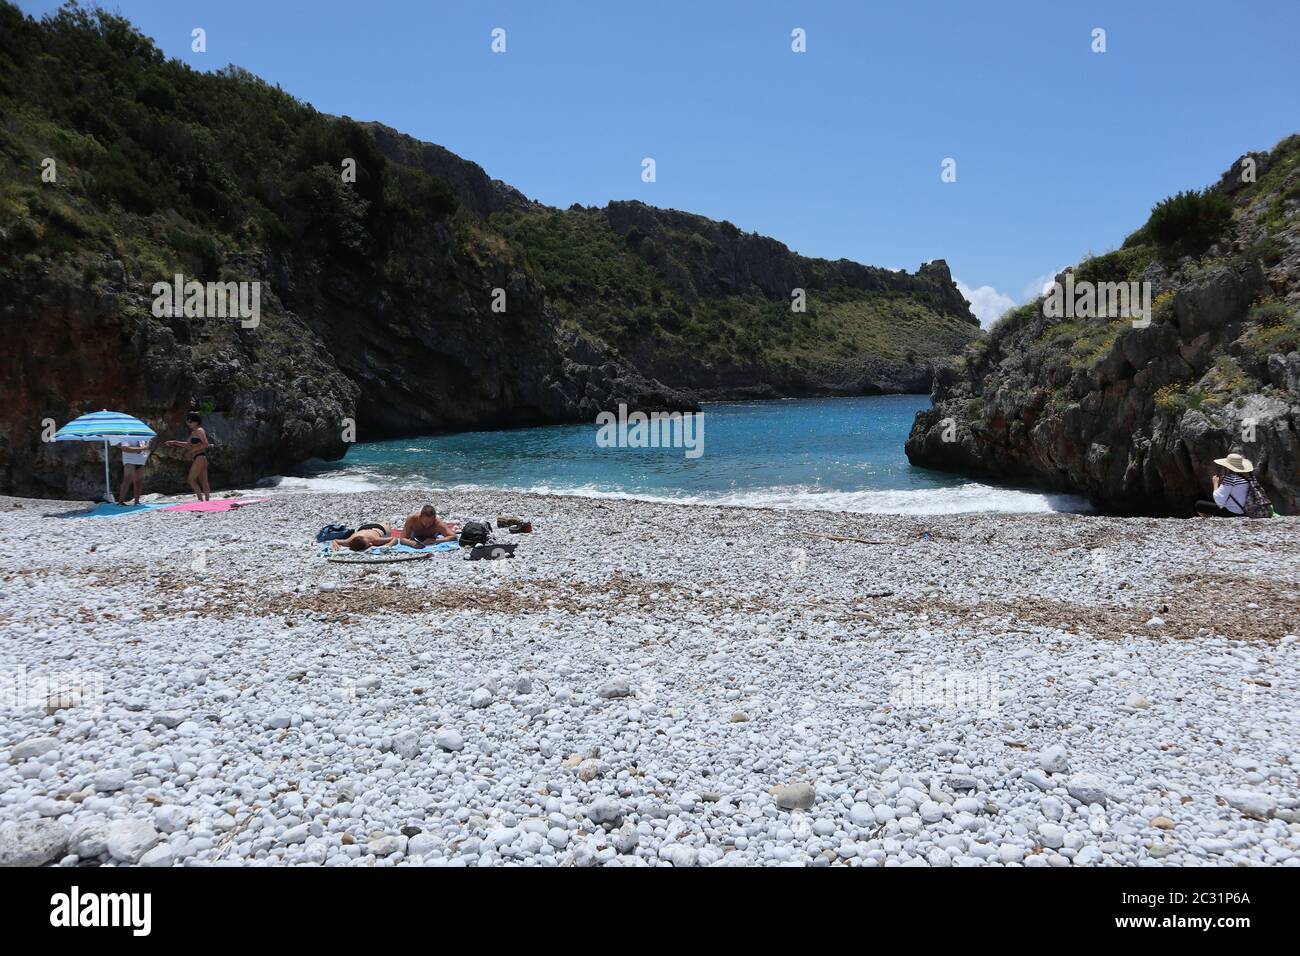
221, 504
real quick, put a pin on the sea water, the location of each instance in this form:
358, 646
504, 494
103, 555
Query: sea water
836, 454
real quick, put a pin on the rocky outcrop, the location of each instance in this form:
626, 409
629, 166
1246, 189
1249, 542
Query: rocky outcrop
744, 284
475, 189
703, 257
1134, 417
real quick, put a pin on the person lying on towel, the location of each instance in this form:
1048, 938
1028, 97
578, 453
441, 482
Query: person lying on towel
427, 528
373, 536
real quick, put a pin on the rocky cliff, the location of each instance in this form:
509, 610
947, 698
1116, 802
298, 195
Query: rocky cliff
402, 289
720, 313
1133, 416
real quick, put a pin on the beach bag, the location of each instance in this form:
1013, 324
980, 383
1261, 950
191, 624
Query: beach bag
333, 532
490, 552
475, 532
1257, 504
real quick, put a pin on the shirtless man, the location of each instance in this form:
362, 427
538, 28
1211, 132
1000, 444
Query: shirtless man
427, 528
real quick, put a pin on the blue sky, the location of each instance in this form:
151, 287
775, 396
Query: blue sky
836, 151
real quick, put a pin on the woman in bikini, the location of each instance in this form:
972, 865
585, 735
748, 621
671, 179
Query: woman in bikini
373, 536
198, 445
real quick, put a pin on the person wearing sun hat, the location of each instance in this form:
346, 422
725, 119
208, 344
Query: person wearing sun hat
1231, 488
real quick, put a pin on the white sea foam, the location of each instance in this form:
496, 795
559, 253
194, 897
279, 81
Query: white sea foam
340, 483
960, 499
972, 497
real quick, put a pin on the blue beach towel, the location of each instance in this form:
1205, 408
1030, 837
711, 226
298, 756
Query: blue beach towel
445, 546
400, 548
105, 510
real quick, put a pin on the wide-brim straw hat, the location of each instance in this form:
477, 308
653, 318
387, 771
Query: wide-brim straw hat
1237, 463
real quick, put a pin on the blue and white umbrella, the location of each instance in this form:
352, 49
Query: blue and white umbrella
112, 428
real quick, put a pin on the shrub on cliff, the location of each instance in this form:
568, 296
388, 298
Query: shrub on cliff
1186, 224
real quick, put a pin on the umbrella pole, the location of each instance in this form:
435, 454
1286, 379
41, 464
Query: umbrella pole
108, 491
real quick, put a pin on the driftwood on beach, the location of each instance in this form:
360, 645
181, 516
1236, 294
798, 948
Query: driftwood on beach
844, 537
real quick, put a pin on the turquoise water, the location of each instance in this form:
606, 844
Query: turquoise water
833, 454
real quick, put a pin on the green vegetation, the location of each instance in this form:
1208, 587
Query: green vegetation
1279, 185
1190, 221
1120, 265
1185, 224
167, 169
1176, 399
1272, 328
603, 287
1267, 250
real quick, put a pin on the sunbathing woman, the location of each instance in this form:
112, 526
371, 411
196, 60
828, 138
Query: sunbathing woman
373, 536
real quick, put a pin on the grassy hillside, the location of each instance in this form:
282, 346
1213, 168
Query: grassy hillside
602, 286
165, 168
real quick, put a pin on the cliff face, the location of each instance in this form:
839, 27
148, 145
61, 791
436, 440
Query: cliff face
271, 399
720, 313
704, 261
410, 293
1134, 417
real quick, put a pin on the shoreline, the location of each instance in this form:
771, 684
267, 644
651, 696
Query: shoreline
649, 683
776, 498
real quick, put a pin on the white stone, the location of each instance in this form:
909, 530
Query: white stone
1087, 788
422, 844
1053, 759
160, 855
130, 839
32, 748
605, 810
1250, 803
110, 781
89, 838
795, 796
448, 739
678, 854
1051, 835
625, 839
32, 843
406, 744
618, 687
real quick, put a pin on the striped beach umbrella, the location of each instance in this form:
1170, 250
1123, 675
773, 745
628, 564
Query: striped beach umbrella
112, 428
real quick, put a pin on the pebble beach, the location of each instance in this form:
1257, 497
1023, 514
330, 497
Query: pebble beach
648, 684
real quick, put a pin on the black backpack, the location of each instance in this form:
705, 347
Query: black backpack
475, 532
333, 532
1257, 503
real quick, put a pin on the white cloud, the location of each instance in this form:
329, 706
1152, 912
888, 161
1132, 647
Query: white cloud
1039, 286
986, 302
989, 305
